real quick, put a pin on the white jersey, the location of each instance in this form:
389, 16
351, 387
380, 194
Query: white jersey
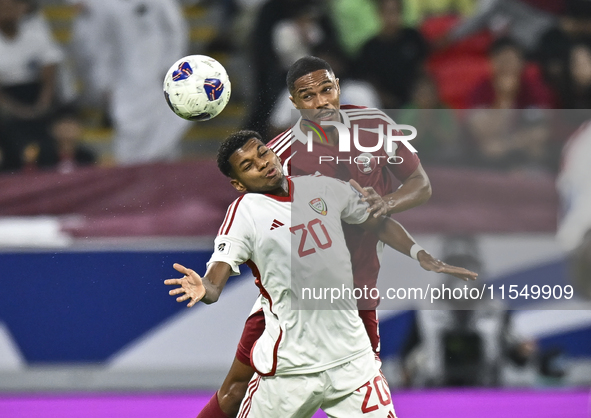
24, 56
574, 187
291, 243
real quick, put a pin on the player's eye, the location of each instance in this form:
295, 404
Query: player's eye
246, 167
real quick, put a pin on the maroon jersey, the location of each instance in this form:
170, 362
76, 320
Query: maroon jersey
368, 169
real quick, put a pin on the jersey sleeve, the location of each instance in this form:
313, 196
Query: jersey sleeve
410, 162
354, 210
234, 242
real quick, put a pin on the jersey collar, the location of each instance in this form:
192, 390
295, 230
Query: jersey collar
289, 197
299, 135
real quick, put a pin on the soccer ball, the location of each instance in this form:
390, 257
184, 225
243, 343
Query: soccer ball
197, 88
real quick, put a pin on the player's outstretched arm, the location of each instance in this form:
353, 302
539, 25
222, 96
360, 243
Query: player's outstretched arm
196, 288
393, 234
429, 263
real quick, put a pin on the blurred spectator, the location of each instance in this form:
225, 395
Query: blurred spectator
28, 62
575, 88
574, 227
127, 47
276, 18
534, 25
509, 86
465, 342
297, 36
222, 42
356, 21
93, 86
438, 139
529, 26
416, 11
353, 91
67, 134
391, 60
576, 18
511, 139
516, 140
269, 78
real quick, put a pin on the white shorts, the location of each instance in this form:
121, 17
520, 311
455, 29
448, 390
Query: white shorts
352, 390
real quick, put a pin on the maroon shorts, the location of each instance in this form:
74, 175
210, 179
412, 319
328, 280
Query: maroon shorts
253, 329
255, 325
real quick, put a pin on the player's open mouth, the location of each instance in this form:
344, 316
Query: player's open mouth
325, 115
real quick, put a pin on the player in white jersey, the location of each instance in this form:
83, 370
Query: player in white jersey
306, 359
314, 85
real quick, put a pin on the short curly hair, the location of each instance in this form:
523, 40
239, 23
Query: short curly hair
304, 66
229, 147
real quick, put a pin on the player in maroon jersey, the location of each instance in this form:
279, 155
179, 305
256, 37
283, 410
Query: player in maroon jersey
315, 91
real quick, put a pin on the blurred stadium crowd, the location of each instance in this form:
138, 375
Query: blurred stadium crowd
493, 84
444, 55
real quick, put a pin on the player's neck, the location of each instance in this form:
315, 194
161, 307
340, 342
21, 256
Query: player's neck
281, 191
332, 136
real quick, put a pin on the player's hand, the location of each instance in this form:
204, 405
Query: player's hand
431, 264
377, 205
191, 286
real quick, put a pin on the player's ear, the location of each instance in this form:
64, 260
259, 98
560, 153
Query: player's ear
336, 81
293, 101
238, 185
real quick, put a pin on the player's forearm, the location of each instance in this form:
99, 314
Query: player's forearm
415, 191
391, 233
214, 281
212, 292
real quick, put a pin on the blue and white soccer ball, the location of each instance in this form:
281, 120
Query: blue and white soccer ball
197, 88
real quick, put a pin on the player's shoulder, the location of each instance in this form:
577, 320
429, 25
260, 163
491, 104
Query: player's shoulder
243, 210
352, 107
362, 114
235, 205
232, 215
244, 203
316, 181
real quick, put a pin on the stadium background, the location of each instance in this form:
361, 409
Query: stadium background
87, 325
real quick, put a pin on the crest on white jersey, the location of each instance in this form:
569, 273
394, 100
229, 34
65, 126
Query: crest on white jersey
319, 205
